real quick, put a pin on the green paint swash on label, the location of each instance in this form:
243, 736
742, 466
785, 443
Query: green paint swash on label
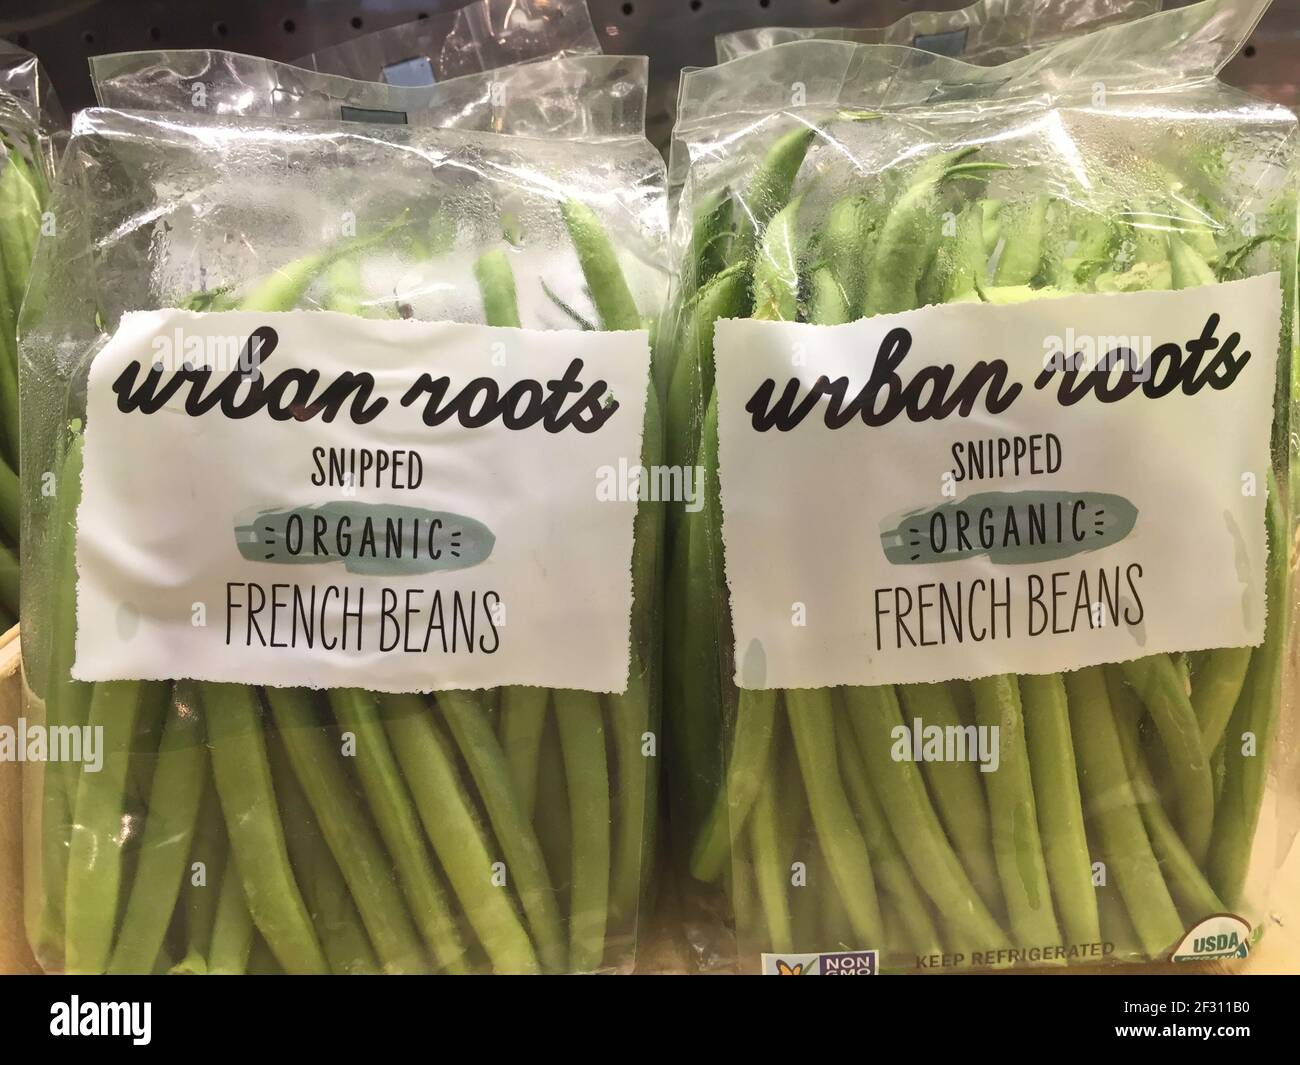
375, 539
1009, 527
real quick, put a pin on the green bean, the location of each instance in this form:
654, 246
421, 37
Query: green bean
467, 720
1158, 685
1017, 846
1112, 809
344, 295
8, 580
1215, 690
96, 847
199, 900
1092, 236
902, 251
552, 817
342, 934
496, 282
1187, 884
1116, 926
648, 531
743, 893
243, 775
887, 860
599, 262
1022, 248
692, 695
769, 187
1060, 806
261, 962
361, 857
358, 712
1189, 269
19, 223
707, 254
828, 303
285, 287
874, 713
523, 720
990, 223
232, 928
836, 925
150, 721
67, 701
1149, 231
968, 262
958, 793
776, 268
724, 296
10, 510
582, 742
1256, 716
453, 829
846, 241
747, 769
772, 853
590, 898
840, 842
174, 797
634, 809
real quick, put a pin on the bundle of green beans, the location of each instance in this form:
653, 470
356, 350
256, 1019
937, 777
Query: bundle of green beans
232, 829
22, 200
1138, 769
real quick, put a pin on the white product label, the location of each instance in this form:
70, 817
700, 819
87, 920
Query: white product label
971, 489
395, 505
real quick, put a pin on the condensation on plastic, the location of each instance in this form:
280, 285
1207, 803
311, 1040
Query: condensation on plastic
157, 209
481, 36
1095, 128
23, 82
588, 96
987, 32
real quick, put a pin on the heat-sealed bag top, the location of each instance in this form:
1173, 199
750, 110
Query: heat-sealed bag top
536, 99
24, 84
342, 611
987, 32
485, 35
975, 650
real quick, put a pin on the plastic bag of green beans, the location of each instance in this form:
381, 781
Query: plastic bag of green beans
986, 32
344, 614
30, 119
975, 653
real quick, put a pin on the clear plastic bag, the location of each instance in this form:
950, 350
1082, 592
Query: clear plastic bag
579, 96
481, 36
988, 32
1116, 816
30, 127
249, 827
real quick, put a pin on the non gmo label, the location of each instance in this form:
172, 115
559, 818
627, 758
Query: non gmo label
972, 489
317, 499
838, 963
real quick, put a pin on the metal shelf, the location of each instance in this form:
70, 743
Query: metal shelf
674, 33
